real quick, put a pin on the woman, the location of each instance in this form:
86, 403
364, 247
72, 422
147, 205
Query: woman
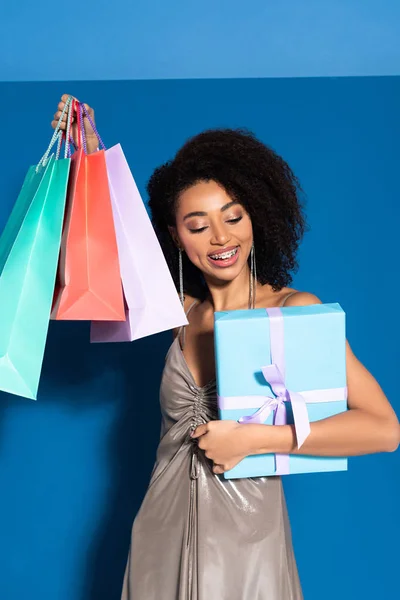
225, 205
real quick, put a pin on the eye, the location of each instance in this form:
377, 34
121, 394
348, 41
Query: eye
197, 230
236, 220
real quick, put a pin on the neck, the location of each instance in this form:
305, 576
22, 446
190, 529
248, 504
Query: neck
232, 295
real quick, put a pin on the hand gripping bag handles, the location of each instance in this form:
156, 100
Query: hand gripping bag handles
152, 302
89, 282
29, 250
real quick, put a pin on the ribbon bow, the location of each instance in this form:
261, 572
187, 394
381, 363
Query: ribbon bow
274, 377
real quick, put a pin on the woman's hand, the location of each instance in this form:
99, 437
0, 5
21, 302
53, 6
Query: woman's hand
226, 443
91, 139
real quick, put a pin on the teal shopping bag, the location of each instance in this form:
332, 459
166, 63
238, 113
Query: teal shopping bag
29, 250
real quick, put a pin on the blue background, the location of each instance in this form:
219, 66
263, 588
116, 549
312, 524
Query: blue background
74, 466
158, 39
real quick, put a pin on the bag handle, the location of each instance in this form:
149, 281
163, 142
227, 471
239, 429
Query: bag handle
58, 135
67, 135
64, 136
67, 151
82, 111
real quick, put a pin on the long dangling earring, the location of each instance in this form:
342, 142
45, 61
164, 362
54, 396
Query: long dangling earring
253, 278
182, 297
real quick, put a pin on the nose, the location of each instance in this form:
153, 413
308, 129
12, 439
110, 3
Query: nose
220, 235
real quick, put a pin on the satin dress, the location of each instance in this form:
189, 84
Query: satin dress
198, 536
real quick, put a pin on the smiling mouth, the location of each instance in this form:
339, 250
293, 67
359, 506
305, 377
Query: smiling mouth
224, 255
225, 258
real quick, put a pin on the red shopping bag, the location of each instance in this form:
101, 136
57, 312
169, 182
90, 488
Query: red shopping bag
88, 282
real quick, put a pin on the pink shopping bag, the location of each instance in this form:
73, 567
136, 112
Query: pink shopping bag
152, 302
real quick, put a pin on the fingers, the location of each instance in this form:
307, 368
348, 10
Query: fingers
63, 124
55, 123
90, 110
218, 469
65, 97
200, 430
57, 116
61, 107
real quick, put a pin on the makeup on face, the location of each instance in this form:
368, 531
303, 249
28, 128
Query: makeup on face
197, 223
214, 228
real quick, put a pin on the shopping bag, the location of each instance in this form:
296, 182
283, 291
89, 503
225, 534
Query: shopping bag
88, 280
29, 250
152, 302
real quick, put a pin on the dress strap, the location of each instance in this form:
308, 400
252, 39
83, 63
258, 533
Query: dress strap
287, 298
182, 331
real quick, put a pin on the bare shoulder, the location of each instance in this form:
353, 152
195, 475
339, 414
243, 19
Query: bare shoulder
188, 302
302, 299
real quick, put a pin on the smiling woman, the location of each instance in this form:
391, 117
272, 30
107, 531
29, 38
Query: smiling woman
229, 183
229, 218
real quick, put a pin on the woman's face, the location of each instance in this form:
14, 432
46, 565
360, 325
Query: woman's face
214, 230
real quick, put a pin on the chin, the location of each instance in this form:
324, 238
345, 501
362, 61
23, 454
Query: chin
224, 274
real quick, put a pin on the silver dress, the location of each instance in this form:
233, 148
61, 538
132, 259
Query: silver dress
198, 536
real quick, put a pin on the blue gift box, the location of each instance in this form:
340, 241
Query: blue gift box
313, 349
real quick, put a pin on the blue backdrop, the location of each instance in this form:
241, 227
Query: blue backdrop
158, 39
74, 466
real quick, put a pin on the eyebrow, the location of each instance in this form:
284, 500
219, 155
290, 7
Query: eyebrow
204, 214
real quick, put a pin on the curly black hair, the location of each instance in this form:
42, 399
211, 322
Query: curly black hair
251, 173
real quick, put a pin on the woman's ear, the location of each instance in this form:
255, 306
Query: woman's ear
174, 234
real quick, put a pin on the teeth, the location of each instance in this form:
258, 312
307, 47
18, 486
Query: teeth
224, 255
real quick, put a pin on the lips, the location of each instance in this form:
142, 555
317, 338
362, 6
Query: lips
225, 257
223, 251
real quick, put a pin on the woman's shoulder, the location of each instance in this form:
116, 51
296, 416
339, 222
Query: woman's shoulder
297, 298
189, 301
287, 297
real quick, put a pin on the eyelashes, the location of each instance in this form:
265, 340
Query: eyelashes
200, 229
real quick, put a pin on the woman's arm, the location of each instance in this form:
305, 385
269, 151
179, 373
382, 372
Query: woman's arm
370, 425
